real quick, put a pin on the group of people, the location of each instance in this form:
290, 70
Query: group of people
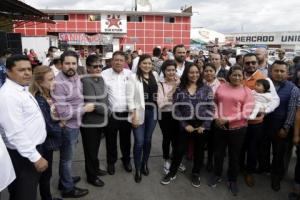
237, 112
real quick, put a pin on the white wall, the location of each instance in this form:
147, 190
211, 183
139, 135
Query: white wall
39, 44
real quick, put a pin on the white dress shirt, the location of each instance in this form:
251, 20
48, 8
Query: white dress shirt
7, 172
22, 120
116, 88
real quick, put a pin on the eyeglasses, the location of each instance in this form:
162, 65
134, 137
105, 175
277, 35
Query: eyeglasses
250, 62
97, 66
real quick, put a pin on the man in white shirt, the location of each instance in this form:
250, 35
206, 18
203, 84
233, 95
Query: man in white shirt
50, 55
24, 128
115, 78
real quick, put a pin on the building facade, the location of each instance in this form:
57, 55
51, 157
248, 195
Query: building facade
112, 30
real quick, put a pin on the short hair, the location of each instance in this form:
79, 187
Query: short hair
11, 61
119, 53
279, 62
238, 57
178, 46
51, 48
91, 59
265, 83
210, 65
166, 64
156, 52
249, 55
68, 53
232, 69
296, 60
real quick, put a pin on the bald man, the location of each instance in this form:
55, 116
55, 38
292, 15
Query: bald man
262, 57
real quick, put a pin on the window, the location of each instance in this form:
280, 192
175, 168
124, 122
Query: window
134, 18
170, 19
59, 17
94, 18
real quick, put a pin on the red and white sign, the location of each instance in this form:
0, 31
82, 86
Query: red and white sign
85, 39
113, 23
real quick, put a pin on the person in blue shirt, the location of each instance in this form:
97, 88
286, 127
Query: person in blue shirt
3, 56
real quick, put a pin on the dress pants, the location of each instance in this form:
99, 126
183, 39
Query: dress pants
233, 140
91, 138
118, 123
24, 187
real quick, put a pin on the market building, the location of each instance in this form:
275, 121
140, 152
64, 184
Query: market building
288, 40
108, 31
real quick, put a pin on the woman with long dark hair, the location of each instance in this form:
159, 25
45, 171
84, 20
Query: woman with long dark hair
194, 109
141, 91
234, 105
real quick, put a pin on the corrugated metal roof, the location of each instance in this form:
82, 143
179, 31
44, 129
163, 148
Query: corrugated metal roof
51, 11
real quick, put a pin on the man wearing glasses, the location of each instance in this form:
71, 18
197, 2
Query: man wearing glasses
254, 130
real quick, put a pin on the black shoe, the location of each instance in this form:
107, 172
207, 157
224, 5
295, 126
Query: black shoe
96, 182
101, 172
145, 170
111, 169
138, 176
76, 179
75, 193
167, 179
127, 167
275, 183
196, 180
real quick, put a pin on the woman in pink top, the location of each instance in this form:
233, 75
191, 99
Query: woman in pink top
234, 105
167, 124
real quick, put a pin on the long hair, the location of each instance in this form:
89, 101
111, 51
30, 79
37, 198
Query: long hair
139, 72
38, 77
184, 80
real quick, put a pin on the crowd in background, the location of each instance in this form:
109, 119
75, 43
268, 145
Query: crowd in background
247, 111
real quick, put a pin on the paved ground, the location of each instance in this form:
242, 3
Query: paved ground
122, 185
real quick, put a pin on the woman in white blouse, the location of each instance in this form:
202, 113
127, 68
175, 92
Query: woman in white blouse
141, 91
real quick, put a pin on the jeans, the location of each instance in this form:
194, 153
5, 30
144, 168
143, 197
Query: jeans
142, 139
69, 139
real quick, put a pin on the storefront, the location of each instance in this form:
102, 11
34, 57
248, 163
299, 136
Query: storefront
107, 31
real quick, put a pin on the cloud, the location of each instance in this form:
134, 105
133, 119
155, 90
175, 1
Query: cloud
223, 16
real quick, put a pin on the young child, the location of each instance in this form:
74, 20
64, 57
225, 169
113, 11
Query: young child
262, 97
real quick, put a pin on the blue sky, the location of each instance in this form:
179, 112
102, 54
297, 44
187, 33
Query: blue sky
220, 15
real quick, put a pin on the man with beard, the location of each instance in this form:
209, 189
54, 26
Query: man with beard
254, 129
68, 100
179, 52
262, 57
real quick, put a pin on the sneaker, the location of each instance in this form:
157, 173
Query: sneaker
182, 167
233, 187
214, 181
195, 180
167, 166
167, 179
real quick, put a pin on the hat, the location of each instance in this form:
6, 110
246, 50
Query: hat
108, 56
